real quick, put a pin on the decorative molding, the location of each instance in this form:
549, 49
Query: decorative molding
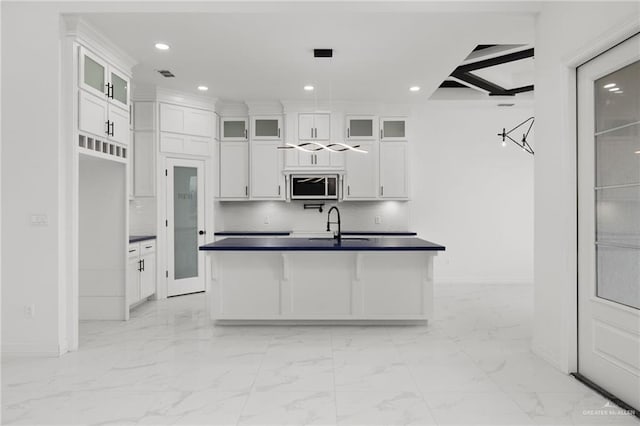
98, 43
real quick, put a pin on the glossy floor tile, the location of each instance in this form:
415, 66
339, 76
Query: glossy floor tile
169, 364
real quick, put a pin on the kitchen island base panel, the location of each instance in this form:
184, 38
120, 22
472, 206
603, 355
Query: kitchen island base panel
297, 286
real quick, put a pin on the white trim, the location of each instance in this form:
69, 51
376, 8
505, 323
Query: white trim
25, 349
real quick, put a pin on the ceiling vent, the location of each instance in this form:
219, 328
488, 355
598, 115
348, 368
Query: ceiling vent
506, 105
166, 73
323, 53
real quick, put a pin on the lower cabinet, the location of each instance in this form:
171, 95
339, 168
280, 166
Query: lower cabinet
141, 271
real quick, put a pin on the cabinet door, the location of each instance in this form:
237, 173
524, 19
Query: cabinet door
393, 170
119, 119
361, 127
266, 171
393, 128
119, 92
306, 127
171, 118
266, 128
198, 122
234, 129
234, 170
144, 165
323, 158
133, 280
361, 180
92, 114
323, 127
148, 275
93, 73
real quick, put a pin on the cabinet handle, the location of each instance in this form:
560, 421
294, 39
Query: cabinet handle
143, 264
312, 132
111, 91
316, 136
139, 265
246, 191
107, 86
131, 251
278, 189
381, 133
112, 125
148, 246
278, 131
348, 189
382, 191
108, 127
245, 133
348, 133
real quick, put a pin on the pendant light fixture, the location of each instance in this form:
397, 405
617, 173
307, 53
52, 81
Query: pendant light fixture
523, 144
312, 146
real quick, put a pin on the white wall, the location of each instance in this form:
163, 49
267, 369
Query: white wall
31, 168
470, 193
558, 52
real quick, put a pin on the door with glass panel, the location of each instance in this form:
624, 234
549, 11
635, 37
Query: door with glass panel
609, 221
185, 226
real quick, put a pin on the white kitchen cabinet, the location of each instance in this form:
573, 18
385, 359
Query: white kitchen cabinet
296, 159
361, 127
101, 119
102, 79
266, 127
92, 115
186, 121
141, 271
361, 177
184, 144
267, 180
234, 170
314, 126
393, 170
234, 128
393, 128
144, 165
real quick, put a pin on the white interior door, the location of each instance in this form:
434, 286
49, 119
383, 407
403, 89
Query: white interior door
609, 221
185, 226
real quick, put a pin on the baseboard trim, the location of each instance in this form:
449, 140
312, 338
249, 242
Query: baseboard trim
471, 281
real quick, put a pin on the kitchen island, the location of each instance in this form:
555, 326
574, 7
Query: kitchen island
321, 279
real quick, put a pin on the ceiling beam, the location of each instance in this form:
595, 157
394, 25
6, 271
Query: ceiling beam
498, 60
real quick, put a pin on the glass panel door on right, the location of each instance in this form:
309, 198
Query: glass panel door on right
609, 221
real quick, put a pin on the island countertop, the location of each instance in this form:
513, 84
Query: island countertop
322, 244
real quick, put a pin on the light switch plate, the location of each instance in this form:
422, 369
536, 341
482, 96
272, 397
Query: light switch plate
39, 220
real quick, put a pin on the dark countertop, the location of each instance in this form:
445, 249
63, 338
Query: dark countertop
252, 233
309, 244
138, 238
381, 233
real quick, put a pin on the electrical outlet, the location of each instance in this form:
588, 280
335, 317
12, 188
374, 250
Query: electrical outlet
39, 220
29, 311
378, 220
266, 220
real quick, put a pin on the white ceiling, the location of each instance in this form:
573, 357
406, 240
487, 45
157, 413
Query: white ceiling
268, 56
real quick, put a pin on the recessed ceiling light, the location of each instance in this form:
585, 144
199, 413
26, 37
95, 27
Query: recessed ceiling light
309, 88
618, 91
203, 88
162, 46
610, 85
614, 89
414, 88
637, 152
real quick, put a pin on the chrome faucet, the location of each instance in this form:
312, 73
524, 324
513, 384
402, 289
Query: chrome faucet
338, 235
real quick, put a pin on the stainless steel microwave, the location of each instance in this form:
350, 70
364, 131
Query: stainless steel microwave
314, 187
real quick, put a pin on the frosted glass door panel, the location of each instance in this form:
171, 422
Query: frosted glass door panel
267, 128
619, 275
394, 129
618, 213
618, 156
617, 164
94, 74
620, 107
185, 202
120, 89
360, 128
234, 129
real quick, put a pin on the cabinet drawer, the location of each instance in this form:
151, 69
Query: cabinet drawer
147, 247
134, 250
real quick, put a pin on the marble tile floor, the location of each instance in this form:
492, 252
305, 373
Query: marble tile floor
169, 364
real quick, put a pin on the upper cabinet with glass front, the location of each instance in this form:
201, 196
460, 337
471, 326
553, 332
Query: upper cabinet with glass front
393, 128
266, 127
103, 79
361, 127
234, 128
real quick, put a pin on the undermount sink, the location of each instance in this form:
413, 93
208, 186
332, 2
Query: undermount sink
343, 239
